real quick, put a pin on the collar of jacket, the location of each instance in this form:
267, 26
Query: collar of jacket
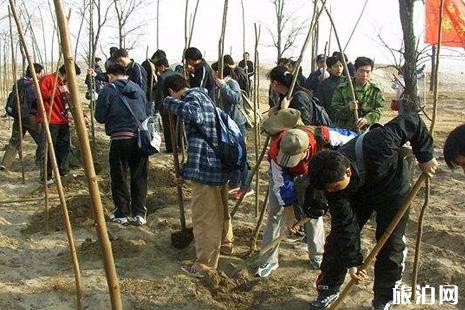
194, 90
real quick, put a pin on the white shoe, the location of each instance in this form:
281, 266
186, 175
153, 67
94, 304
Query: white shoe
264, 270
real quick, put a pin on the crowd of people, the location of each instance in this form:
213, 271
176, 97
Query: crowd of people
347, 166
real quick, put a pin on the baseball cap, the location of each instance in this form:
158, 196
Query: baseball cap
320, 57
293, 147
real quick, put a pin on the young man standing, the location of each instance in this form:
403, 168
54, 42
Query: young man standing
250, 67
209, 203
125, 155
152, 78
317, 76
368, 174
28, 106
369, 99
200, 73
325, 90
58, 112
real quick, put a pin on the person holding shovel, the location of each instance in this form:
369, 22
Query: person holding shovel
289, 154
367, 174
209, 201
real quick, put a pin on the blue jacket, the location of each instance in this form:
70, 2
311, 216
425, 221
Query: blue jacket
197, 109
231, 99
111, 110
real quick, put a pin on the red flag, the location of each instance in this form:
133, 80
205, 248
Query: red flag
453, 22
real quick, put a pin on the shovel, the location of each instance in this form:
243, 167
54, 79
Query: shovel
179, 239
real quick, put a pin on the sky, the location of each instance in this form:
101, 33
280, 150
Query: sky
381, 17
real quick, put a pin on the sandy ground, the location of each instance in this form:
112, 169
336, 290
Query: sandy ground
35, 270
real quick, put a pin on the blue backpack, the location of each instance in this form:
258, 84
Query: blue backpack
231, 150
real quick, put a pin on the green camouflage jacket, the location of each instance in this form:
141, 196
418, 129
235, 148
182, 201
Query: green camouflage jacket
370, 98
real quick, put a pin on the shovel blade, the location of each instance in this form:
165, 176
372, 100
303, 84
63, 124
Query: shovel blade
181, 239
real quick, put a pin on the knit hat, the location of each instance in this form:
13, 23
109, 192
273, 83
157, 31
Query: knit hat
282, 119
293, 148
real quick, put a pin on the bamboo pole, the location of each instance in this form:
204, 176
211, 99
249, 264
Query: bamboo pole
387, 233
221, 40
255, 120
192, 24
356, 24
174, 134
18, 104
253, 241
56, 172
92, 79
352, 91
87, 161
431, 129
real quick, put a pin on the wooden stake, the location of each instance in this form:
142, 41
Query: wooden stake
431, 129
253, 242
316, 16
56, 172
356, 24
87, 161
221, 40
341, 50
255, 120
18, 103
387, 233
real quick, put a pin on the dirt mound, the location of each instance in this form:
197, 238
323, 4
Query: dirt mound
79, 210
121, 247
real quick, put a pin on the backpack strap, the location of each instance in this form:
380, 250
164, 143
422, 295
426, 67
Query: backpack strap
125, 102
359, 158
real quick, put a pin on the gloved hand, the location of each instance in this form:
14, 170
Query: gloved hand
315, 204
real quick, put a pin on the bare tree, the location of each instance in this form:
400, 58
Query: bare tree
124, 11
288, 28
101, 11
410, 97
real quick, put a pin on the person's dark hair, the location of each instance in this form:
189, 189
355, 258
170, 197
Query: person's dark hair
97, 59
327, 167
113, 49
37, 67
122, 52
246, 53
284, 61
339, 55
227, 71
62, 69
175, 82
331, 61
193, 53
162, 62
158, 55
228, 60
284, 77
116, 69
363, 61
454, 146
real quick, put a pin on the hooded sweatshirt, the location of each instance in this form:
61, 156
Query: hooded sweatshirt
111, 110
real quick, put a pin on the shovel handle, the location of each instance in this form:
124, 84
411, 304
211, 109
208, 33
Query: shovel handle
174, 144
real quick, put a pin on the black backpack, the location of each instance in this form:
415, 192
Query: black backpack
320, 117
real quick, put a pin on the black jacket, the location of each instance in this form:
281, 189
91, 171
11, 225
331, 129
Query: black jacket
135, 73
111, 111
302, 101
325, 90
250, 71
313, 80
149, 68
386, 176
159, 97
98, 84
203, 77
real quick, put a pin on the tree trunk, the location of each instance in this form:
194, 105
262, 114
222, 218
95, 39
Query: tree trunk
433, 66
410, 99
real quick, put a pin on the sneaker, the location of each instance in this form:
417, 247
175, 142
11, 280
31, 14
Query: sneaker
139, 220
118, 220
264, 270
238, 194
2, 168
324, 300
378, 305
233, 189
192, 271
315, 262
